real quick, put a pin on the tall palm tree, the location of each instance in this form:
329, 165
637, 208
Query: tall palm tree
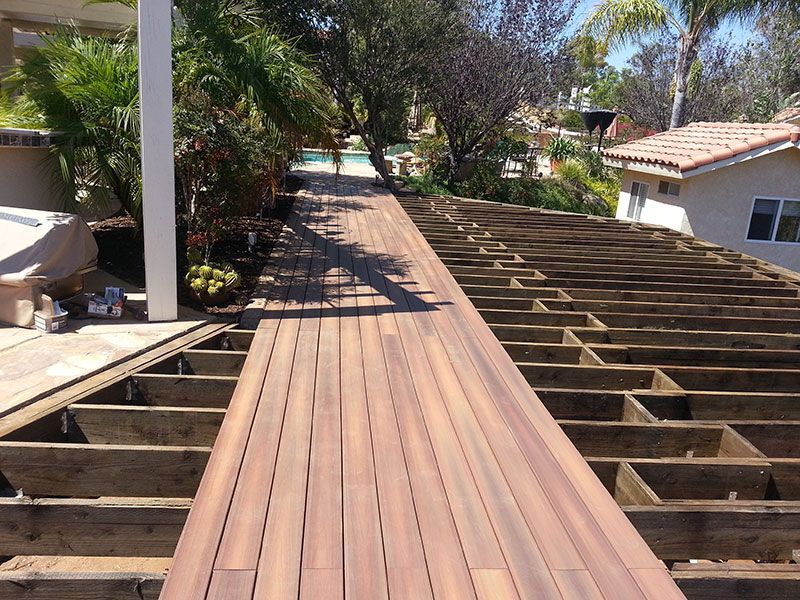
621, 21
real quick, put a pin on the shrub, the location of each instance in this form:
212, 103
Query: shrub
426, 184
358, 144
433, 150
608, 190
549, 193
560, 149
571, 119
230, 79
573, 172
505, 148
593, 163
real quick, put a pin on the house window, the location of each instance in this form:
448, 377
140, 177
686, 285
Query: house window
638, 198
775, 220
670, 188
789, 222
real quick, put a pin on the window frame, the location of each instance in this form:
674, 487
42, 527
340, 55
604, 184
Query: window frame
631, 198
670, 185
781, 200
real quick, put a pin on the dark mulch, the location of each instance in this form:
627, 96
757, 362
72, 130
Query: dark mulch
122, 252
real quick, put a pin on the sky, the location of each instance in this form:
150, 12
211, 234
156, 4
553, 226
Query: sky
619, 56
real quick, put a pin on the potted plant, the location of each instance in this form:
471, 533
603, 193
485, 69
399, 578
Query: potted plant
558, 150
210, 284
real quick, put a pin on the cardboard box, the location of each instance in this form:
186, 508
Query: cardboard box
49, 323
109, 305
51, 317
101, 309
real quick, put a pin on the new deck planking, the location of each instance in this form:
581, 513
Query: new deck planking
381, 443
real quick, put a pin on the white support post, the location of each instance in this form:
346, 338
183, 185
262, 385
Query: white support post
158, 173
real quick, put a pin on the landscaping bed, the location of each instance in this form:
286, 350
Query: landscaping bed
121, 252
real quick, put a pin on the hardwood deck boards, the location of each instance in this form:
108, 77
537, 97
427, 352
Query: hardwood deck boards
382, 444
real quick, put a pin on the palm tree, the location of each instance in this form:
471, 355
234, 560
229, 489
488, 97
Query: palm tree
86, 89
621, 21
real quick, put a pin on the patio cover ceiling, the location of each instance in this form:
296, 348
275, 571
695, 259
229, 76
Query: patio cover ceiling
95, 16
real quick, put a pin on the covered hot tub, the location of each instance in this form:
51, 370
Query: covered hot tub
41, 252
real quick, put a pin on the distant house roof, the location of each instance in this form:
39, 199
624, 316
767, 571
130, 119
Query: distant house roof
698, 147
788, 115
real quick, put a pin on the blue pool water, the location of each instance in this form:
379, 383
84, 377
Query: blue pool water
313, 156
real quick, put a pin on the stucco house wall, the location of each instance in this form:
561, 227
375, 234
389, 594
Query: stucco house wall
716, 206
659, 209
25, 180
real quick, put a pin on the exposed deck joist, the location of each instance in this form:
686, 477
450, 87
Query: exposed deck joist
122, 443
670, 362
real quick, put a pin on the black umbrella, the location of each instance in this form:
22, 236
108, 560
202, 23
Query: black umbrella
598, 118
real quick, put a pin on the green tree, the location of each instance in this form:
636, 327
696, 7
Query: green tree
370, 53
622, 21
493, 59
770, 68
715, 91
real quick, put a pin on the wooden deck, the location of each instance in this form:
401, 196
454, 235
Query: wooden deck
382, 443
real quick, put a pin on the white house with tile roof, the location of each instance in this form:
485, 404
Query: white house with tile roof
733, 184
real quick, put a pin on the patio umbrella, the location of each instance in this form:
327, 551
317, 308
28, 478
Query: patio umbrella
598, 118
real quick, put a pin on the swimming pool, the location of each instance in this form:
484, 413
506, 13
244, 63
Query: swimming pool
351, 157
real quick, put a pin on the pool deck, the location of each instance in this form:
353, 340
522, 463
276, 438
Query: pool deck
381, 443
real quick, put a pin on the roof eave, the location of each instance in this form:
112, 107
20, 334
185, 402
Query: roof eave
675, 172
643, 167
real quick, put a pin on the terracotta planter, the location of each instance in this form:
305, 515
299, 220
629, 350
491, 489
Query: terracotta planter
206, 299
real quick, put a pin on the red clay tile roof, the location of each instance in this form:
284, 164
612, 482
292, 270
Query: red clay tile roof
787, 114
700, 144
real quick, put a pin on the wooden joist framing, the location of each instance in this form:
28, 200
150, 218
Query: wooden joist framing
721, 406
91, 470
34, 585
90, 527
740, 580
672, 364
23, 423
643, 440
718, 532
162, 426
204, 391
232, 339
202, 362
129, 447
